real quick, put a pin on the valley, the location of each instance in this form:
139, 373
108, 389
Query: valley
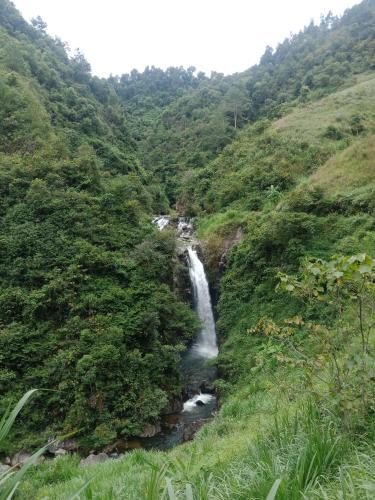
252, 295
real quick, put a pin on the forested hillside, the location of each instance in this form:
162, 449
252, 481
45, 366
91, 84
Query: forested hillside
276, 165
87, 311
180, 133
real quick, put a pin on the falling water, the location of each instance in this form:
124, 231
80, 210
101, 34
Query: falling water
206, 344
161, 221
197, 372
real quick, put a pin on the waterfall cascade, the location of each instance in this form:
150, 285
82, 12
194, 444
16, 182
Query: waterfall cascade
206, 344
197, 373
161, 221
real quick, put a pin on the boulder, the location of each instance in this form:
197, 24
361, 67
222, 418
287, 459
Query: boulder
60, 452
93, 459
199, 403
67, 445
20, 458
172, 421
4, 468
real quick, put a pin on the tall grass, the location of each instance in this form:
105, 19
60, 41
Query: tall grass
291, 461
353, 481
301, 451
11, 479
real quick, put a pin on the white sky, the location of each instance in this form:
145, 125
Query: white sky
221, 35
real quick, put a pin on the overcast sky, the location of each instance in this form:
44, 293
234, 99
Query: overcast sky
221, 35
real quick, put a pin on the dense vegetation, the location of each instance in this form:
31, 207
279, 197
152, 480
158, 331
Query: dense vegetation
87, 310
277, 164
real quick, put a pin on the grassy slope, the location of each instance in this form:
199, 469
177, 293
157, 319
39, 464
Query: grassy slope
310, 122
242, 452
350, 169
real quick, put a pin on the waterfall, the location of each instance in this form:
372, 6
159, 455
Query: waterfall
198, 375
162, 221
206, 344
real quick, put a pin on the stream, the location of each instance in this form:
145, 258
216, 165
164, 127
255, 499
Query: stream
198, 375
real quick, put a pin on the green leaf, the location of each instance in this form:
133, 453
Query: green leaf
315, 271
189, 492
364, 269
8, 419
171, 493
338, 274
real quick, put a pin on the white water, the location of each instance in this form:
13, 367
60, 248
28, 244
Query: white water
206, 345
191, 404
162, 221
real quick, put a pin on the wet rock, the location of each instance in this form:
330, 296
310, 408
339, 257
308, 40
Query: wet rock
122, 445
172, 421
150, 430
185, 228
207, 388
190, 393
199, 403
191, 429
228, 245
93, 459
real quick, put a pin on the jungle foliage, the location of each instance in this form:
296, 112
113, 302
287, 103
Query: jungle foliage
87, 310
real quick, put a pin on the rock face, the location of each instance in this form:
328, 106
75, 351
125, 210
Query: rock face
93, 459
150, 430
174, 406
228, 244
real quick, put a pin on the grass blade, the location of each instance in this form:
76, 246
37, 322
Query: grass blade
171, 493
77, 493
189, 492
8, 419
273, 491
